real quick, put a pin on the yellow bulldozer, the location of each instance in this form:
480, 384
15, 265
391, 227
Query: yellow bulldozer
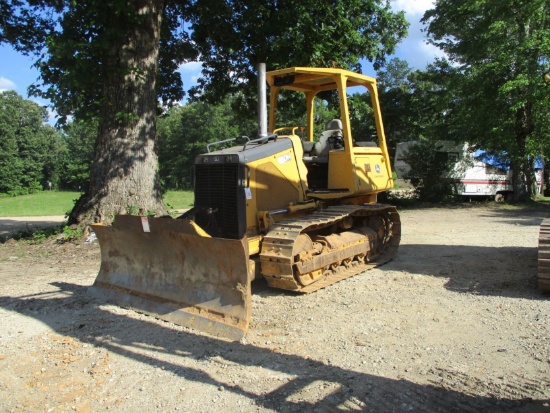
299, 211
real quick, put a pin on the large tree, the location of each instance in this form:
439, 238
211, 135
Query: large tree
401, 112
501, 49
321, 33
113, 60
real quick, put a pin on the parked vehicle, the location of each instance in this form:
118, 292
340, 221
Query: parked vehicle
472, 172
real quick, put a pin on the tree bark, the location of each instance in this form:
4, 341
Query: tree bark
124, 176
523, 178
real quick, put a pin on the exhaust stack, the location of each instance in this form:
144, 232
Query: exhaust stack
262, 101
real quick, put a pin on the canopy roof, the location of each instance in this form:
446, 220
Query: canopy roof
307, 79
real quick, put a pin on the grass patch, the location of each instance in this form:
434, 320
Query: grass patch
179, 199
59, 203
40, 203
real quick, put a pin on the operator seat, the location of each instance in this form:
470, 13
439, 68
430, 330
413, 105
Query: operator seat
333, 131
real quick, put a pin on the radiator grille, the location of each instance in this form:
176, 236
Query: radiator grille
217, 189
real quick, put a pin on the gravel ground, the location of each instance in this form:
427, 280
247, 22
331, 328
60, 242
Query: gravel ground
453, 323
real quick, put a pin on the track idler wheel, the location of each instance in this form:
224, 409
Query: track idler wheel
306, 249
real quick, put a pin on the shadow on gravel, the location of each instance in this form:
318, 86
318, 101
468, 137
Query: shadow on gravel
10, 227
528, 216
524, 217
493, 271
354, 391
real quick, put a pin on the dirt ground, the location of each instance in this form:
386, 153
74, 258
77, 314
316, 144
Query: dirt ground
453, 324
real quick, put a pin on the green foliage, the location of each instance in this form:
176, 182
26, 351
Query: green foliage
30, 150
291, 33
33, 153
71, 233
77, 43
291, 111
394, 177
79, 137
115, 60
132, 209
416, 104
36, 236
32, 188
185, 131
61, 234
361, 118
500, 51
400, 110
428, 167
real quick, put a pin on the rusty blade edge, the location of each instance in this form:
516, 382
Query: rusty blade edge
170, 312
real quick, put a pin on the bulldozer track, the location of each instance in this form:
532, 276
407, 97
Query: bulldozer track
278, 256
544, 256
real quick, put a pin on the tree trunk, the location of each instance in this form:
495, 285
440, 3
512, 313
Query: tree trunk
520, 181
124, 175
523, 179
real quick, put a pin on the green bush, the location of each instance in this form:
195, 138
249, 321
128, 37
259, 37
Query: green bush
429, 168
32, 188
71, 233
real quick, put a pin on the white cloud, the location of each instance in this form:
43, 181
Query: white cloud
190, 73
415, 49
6, 84
190, 67
413, 7
431, 50
52, 114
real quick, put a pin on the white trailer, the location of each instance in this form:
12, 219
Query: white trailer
473, 173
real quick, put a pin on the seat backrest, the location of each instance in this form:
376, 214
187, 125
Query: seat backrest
332, 128
308, 147
334, 124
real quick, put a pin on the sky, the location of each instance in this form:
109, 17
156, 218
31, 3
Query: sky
17, 73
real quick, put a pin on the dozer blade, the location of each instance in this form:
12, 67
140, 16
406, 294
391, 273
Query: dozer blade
171, 269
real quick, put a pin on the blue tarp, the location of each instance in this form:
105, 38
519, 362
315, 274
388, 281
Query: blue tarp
500, 161
491, 159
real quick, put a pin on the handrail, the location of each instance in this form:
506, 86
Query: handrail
287, 127
262, 139
225, 141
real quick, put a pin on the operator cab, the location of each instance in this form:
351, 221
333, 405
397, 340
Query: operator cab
316, 154
337, 166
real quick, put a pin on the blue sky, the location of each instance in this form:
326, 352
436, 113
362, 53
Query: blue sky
17, 73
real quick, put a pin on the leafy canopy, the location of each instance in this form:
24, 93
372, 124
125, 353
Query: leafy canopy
74, 40
114, 60
501, 50
329, 33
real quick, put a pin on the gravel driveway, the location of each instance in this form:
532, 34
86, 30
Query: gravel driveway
13, 225
453, 324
